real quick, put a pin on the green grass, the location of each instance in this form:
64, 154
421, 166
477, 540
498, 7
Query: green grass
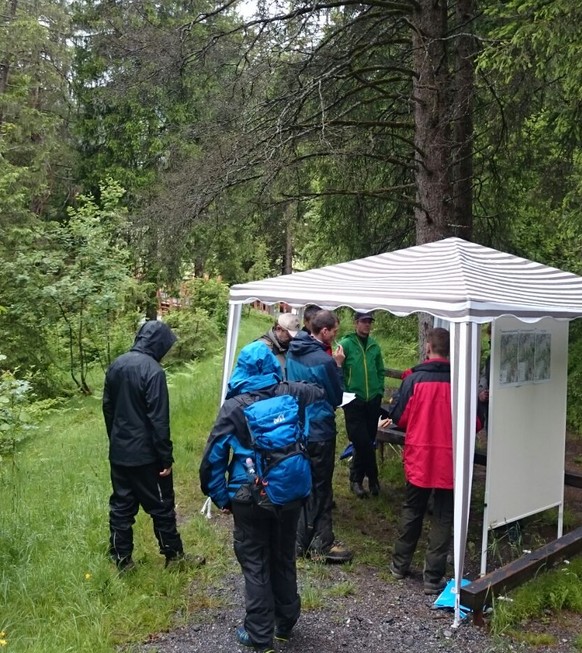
534, 639
549, 593
58, 590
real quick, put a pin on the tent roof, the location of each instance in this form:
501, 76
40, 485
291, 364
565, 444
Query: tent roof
452, 278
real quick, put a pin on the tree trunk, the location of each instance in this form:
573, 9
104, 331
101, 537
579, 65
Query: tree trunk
463, 120
5, 65
431, 121
432, 140
290, 212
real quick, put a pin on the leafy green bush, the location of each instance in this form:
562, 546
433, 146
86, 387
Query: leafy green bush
15, 419
210, 295
197, 334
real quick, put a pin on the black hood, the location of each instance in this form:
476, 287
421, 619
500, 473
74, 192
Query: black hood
155, 339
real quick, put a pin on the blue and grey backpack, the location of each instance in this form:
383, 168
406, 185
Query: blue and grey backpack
281, 471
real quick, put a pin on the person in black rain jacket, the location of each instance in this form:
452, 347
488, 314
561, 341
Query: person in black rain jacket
137, 417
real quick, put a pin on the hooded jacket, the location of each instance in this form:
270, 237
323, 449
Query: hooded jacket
257, 375
363, 367
307, 360
135, 401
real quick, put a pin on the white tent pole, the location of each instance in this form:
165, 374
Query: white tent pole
485, 531
484, 541
464, 368
234, 315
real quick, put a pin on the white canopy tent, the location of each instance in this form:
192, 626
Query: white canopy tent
463, 283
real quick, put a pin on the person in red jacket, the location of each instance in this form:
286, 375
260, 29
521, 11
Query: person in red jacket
424, 411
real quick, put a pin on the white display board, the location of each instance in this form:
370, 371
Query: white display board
527, 419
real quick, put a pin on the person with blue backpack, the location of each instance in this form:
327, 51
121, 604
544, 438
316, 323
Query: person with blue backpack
255, 465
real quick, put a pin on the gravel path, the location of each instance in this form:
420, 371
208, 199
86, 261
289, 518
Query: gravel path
376, 617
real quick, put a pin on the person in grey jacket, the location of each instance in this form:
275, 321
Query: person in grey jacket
280, 335
137, 418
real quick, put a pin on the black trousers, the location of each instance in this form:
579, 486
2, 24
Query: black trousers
439, 538
264, 544
362, 426
142, 486
315, 528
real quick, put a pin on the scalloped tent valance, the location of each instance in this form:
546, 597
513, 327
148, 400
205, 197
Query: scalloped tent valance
453, 279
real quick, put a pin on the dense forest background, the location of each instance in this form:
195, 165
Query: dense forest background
188, 145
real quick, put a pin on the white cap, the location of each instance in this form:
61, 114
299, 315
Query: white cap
289, 322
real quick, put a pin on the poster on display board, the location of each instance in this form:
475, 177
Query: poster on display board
526, 432
524, 357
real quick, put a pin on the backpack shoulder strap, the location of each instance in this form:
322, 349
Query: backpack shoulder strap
243, 433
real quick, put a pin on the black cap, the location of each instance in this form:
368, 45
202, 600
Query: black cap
363, 316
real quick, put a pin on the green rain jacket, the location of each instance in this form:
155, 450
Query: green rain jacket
363, 368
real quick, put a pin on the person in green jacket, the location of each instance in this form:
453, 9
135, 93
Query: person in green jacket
364, 376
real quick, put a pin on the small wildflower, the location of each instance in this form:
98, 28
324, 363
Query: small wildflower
3, 642
88, 576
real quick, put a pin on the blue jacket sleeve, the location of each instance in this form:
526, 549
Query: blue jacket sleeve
108, 408
213, 470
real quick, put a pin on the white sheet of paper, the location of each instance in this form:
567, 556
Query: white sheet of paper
348, 396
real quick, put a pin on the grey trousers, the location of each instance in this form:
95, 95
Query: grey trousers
439, 537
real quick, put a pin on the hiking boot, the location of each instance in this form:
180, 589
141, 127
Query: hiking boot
242, 637
282, 635
374, 488
337, 552
124, 564
358, 490
396, 573
184, 561
434, 588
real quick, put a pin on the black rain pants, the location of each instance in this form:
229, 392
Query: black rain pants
264, 544
362, 426
142, 486
439, 537
315, 528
